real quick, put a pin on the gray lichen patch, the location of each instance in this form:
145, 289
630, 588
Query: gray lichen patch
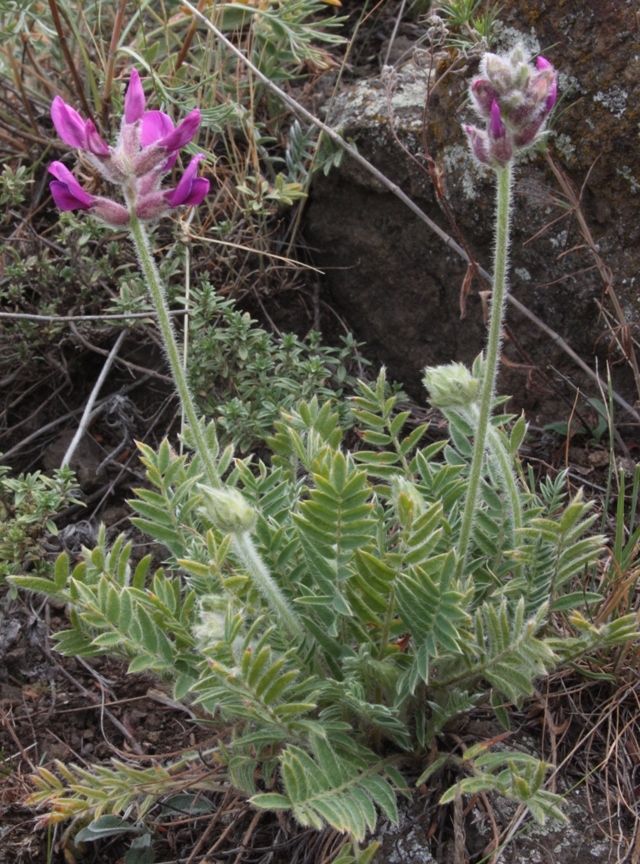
506, 37
577, 842
523, 274
404, 843
614, 100
372, 102
461, 168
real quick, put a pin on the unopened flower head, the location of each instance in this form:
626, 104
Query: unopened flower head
227, 509
451, 385
146, 149
514, 98
408, 502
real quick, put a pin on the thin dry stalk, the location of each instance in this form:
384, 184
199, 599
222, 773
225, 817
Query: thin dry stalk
623, 332
71, 66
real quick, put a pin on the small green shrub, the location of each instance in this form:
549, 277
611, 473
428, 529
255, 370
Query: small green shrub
244, 376
28, 504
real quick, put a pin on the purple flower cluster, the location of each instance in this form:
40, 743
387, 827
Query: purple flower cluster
514, 98
146, 149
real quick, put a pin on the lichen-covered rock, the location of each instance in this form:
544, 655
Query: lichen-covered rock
395, 282
581, 840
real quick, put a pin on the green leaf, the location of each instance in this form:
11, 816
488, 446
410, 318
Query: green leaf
74, 643
575, 599
108, 640
105, 826
140, 851
164, 534
35, 583
141, 663
61, 570
270, 801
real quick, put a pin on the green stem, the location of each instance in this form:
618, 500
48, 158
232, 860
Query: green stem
245, 550
492, 357
503, 462
157, 292
505, 467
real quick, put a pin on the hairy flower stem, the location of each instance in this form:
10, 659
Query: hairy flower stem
246, 551
503, 464
492, 357
158, 296
243, 543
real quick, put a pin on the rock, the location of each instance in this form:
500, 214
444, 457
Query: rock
581, 840
394, 281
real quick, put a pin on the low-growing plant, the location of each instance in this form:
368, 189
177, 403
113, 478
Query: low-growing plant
373, 642
469, 23
332, 610
243, 376
14, 184
28, 504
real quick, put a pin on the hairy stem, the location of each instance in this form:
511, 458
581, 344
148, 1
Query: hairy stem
245, 550
492, 357
243, 543
158, 296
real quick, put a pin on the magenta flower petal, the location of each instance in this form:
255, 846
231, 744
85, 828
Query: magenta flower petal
542, 63
61, 172
496, 126
93, 142
67, 193
199, 190
171, 161
183, 133
184, 192
134, 101
68, 123
63, 197
155, 125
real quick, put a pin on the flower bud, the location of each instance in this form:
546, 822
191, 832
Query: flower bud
479, 144
110, 212
149, 159
501, 150
528, 134
227, 509
407, 500
134, 100
483, 95
498, 70
451, 385
496, 126
151, 206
